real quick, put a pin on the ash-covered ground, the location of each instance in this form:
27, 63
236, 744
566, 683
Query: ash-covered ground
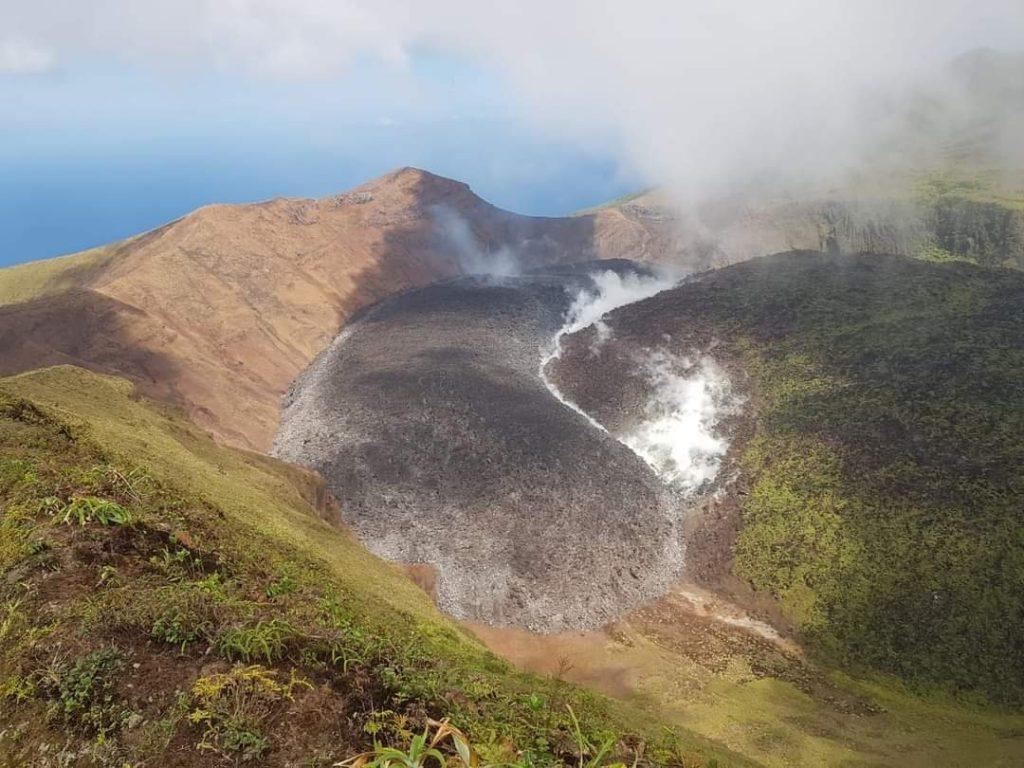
432, 426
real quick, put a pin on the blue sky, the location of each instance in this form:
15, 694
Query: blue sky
102, 150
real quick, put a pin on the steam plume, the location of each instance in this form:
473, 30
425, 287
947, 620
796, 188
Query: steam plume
457, 237
678, 434
610, 291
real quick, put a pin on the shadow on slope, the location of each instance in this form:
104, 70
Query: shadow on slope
88, 329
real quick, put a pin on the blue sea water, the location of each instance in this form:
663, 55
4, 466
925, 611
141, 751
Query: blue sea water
51, 205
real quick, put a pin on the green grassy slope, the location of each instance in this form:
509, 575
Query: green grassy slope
886, 485
38, 279
166, 599
971, 218
620, 200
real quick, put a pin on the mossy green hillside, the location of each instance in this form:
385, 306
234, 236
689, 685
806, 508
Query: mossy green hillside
886, 492
971, 218
38, 279
219, 618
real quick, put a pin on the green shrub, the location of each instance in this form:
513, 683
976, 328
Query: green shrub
82, 693
285, 585
178, 564
178, 627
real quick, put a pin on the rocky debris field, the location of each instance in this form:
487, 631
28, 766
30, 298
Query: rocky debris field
431, 425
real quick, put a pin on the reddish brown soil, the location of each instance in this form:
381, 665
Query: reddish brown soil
317, 724
687, 629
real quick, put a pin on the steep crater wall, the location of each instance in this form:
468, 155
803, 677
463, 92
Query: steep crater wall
880, 492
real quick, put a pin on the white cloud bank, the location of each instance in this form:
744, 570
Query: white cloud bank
24, 57
698, 94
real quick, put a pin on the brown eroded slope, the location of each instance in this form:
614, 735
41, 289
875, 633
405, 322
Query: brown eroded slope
220, 310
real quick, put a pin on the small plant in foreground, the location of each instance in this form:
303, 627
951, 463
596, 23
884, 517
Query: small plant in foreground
10, 618
124, 484
108, 576
591, 755
82, 693
176, 627
283, 586
178, 564
536, 702
418, 755
425, 750
235, 706
82, 510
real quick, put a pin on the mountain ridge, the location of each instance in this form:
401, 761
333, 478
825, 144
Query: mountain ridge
218, 310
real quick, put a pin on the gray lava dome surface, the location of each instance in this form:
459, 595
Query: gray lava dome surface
432, 427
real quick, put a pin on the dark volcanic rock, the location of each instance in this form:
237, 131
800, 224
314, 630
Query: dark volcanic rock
430, 423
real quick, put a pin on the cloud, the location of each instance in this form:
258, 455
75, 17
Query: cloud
23, 57
280, 38
697, 95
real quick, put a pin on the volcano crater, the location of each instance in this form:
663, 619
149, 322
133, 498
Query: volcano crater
432, 425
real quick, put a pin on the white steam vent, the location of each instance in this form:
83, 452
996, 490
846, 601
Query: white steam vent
678, 434
611, 291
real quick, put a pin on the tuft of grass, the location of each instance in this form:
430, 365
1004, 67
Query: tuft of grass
83, 510
11, 617
265, 640
941, 255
